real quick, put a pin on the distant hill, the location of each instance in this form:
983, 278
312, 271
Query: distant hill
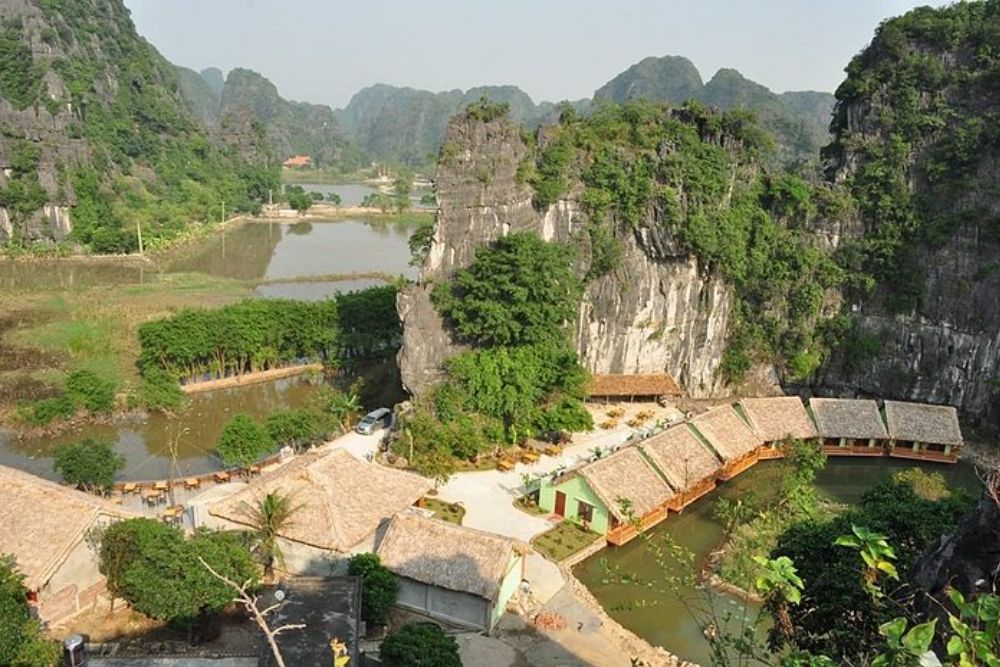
799, 119
96, 141
291, 127
407, 125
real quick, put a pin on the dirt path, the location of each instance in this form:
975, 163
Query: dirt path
249, 378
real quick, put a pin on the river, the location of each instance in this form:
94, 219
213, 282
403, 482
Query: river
305, 260
665, 618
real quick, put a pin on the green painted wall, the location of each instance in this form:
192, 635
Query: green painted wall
575, 488
507, 587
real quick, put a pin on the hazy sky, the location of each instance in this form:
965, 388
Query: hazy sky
326, 50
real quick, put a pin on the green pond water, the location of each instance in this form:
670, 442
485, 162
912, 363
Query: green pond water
668, 619
305, 260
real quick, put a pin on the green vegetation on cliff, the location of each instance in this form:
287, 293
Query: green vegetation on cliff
130, 155
932, 77
694, 176
522, 377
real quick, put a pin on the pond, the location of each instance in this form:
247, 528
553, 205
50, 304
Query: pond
351, 194
295, 260
146, 441
664, 619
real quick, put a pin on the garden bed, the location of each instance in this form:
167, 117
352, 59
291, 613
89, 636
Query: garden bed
564, 540
529, 506
450, 512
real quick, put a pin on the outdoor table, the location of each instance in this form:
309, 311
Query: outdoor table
529, 457
153, 497
222, 476
160, 486
253, 470
192, 483
130, 487
505, 464
554, 450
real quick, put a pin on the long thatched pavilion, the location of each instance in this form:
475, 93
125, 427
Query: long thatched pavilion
925, 432
849, 426
731, 437
777, 418
686, 462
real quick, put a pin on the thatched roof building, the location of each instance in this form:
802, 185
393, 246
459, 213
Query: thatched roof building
627, 475
929, 424
446, 555
853, 418
339, 499
779, 417
726, 432
42, 522
628, 386
681, 456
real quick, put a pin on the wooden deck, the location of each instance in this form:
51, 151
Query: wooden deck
625, 532
931, 455
685, 498
736, 466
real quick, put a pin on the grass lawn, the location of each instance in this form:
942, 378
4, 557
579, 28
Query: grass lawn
563, 541
526, 504
450, 512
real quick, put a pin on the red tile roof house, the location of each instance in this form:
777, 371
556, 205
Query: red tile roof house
297, 162
732, 439
777, 418
44, 528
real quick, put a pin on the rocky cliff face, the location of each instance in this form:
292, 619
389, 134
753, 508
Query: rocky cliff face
660, 312
916, 126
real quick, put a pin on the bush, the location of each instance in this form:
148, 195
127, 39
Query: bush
45, 411
22, 641
159, 390
292, 427
243, 441
93, 393
379, 588
152, 566
420, 645
89, 464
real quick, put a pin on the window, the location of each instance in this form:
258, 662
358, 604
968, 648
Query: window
584, 511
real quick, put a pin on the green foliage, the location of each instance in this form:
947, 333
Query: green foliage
295, 427
485, 110
519, 291
94, 394
904, 647
927, 75
23, 194
384, 202
298, 198
258, 334
976, 629
420, 645
270, 516
47, 410
694, 174
838, 615
428, 199
420, 242
379, 587
152, 566
88, 464
22, 642
159, 390
334, 198
778, 579
243, 441
20, 76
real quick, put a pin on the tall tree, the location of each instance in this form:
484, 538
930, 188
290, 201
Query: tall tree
21, 640
270, 515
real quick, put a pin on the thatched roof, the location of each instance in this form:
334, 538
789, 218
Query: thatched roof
41, 522
627, 475
338, 499
446, 555
682, 458
848, 418
779, 417
917, 422
726, 432
652, 384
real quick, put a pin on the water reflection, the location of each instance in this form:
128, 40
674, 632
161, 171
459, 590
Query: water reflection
662, 619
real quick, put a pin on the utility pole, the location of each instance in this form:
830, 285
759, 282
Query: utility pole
223, 211
138, 231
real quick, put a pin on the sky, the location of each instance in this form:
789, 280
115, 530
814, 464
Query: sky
324, 51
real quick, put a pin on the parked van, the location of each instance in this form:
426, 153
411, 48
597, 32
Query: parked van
374, 420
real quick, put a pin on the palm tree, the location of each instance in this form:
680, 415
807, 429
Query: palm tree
270, 515
345, 408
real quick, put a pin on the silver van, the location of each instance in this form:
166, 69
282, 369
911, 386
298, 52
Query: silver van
374, 420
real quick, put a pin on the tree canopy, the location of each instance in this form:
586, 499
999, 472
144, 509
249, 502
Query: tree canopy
243, 441
21, 640
420, 645
379, 587
89, 464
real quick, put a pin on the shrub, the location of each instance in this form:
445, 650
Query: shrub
159, 390
379, 588
93, 393
43, 412
292, 427
420, 645
22, 642
243, 441
89, 464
